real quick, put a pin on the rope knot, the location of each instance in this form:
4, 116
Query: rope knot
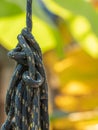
28, 90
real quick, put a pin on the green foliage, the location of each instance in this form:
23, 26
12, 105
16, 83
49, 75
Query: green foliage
83, 8
82, 23
9, 32
19, 3
9, 9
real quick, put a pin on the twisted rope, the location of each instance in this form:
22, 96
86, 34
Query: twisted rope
29, 15
26, 103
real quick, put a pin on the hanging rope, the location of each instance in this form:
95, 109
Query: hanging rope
26, 103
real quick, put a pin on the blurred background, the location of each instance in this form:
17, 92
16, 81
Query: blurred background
67, 31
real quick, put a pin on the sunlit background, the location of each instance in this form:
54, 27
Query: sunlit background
67, 31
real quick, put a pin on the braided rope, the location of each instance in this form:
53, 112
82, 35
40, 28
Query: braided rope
29, 15
26, 103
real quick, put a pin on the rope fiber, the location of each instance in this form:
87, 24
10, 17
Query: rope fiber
26, 102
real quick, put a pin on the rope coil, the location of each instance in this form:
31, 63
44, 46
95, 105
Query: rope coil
27, 96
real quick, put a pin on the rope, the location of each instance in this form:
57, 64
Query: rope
29, 15
26, 103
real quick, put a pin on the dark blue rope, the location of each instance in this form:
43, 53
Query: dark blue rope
27, 96
29, 15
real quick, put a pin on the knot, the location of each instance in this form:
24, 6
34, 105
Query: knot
19, 56
26, 56
27, 86
24, 102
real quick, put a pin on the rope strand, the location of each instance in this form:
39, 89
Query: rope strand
29, 15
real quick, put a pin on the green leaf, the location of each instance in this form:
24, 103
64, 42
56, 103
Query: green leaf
20, 3
83, 25
83, 8
82, 32
10, 27
9, 9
